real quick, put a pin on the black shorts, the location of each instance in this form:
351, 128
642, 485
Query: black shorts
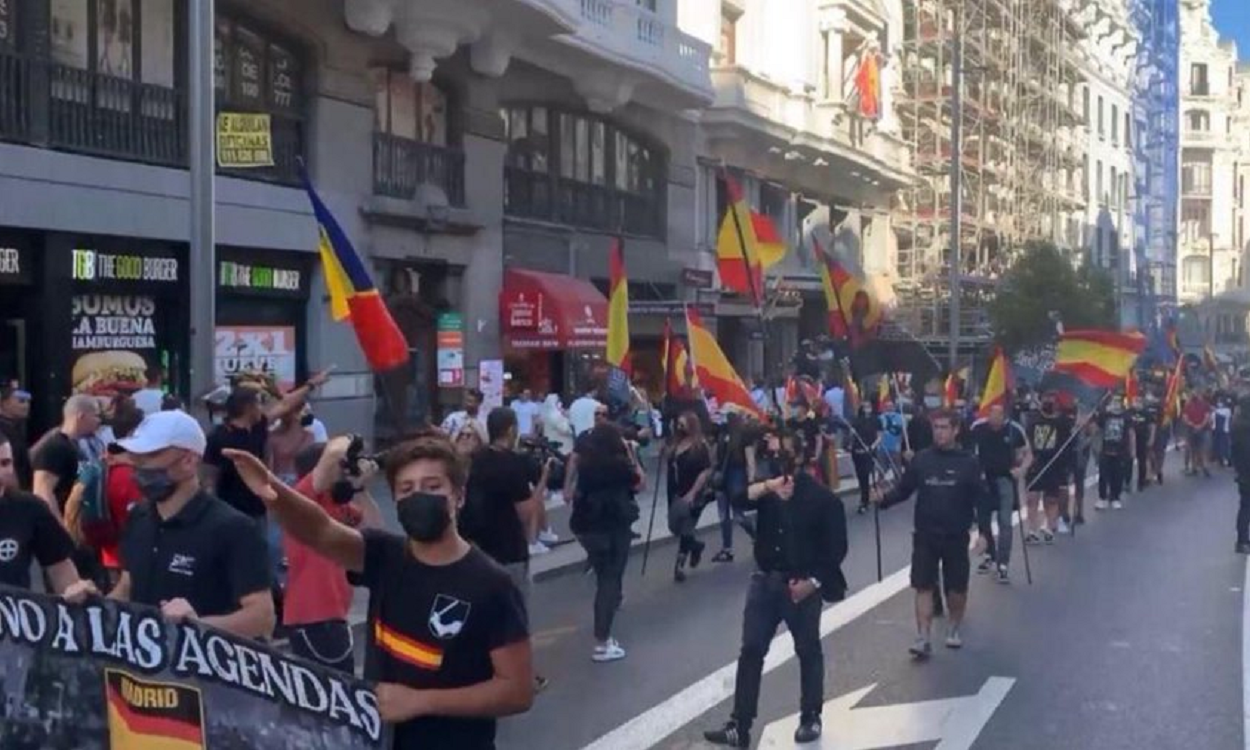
950, 552
1053, 482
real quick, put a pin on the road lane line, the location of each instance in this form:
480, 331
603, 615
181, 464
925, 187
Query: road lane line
653, 725
1245, 657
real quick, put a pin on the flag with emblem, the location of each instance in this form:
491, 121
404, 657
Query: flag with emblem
147, 715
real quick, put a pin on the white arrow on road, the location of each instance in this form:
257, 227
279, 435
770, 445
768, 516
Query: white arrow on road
954, 722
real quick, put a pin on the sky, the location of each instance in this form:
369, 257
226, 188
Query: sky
1232, 20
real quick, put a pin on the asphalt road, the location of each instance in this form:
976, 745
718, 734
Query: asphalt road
1129, 637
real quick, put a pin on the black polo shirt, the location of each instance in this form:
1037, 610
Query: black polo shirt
209, 554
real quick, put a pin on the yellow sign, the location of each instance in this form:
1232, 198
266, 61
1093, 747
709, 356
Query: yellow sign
244, 140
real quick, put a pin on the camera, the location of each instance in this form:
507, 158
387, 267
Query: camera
356, 452
538, 451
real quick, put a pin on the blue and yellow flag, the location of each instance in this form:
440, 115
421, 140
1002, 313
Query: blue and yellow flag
352, 293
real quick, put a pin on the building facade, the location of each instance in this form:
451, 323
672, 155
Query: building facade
456, 142
790, 124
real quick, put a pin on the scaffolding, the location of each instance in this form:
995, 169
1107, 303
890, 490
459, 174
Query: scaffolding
1021, 159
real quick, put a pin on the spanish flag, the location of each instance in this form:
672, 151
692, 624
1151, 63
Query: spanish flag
854, 313
1131, 390
737, 254
1099, 358
1172, 400
770, 246
352, 293
868, 85
407, 649
145, 715
997, 384
950, 391
713, 370
618, 308
678, 372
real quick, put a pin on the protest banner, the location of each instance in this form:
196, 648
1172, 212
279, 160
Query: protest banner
109, 675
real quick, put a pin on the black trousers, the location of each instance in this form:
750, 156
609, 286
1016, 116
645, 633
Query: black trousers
608, 553
1111, 473
768, 605
863, 473
1243, 514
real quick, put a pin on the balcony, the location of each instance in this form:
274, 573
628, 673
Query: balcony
76, 110
1202, 138
538, 196
401, 165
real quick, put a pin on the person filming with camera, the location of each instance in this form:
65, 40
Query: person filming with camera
336, 476
800, 544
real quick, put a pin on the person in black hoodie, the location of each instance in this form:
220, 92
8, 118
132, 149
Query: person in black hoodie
800, 543
1240, 434
948, 487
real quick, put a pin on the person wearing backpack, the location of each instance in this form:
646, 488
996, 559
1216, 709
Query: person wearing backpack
29, 532
605, 473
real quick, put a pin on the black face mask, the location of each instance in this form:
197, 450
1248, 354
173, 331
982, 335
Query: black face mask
424, 516
1048, 409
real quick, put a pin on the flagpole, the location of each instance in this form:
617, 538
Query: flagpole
202, 174
655, 500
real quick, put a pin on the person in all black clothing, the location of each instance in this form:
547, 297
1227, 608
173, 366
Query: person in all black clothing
449, 644
14, 413
919, 433
689, 469
1144, 419
31, 532
1240, 436
948, 487
1117, 444
865, 438
1003, 451
799, 547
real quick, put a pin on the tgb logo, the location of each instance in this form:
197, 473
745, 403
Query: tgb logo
448, 616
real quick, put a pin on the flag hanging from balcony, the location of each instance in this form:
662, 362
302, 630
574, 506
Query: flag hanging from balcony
737, 257
1099, 358
618, 308
868, 84
352, 293
997, 384
713, 370
854, 312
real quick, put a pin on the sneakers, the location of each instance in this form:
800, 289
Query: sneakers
540, 683
538, 548
1117, 505
953, 640
1003, 577
730, 735
921, 648
724, 556
1101, 505
548, 537
1242, 549
808, 731
1048, 536
1062, 527
985, 565
1033, 538
610, 651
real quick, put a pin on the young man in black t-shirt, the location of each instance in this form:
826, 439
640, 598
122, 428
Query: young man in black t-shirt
448, 635
14, 416
1003, 450
29, 532
1048, 477
1117, 445
1144, 419
56, 456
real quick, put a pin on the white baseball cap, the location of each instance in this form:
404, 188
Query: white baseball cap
166, 429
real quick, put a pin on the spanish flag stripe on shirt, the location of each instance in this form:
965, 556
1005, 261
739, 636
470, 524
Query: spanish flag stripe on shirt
407, 649
132, 729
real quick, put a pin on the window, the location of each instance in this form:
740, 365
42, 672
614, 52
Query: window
1198, 83
648, 4
1102, 198
728, 47
409, 109
1101, 129
1196, 178
582, 170
1085, 106
1195, 272
1115, 187
1128, 138
1115, 125
1198, 121
102, 37
1195, 220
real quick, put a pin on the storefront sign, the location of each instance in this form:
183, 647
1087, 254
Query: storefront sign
269, 349
671, 307
244, 140
91, 265
450, 350
523, 311
259, 278
113, 674
697, 278
14, 265
115, 338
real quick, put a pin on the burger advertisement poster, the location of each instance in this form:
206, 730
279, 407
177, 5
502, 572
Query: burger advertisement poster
115, 338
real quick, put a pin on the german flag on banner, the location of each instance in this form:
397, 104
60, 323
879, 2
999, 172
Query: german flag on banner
997, 384
737, 254
145, 715
618, 308
713, 370
1099, 358
407, 649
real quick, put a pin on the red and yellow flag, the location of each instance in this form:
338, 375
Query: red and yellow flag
679, 378
770, 247
1131, 389
997, 384
950, 391
868, 85
352, 293
713, 370
618, 308
737, 253
883, 390
854, 313
146, 715
1172, 399
1100, 358
407, 649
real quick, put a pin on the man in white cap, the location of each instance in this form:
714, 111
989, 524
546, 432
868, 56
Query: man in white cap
183, 549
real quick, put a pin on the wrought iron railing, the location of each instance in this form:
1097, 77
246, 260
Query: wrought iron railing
539, 195
401, 165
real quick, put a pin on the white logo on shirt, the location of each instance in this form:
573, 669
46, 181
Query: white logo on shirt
8, 550
448, 616
183, 565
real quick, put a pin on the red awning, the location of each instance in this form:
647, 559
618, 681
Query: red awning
551, 311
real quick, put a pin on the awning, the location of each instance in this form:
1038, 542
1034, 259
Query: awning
551, 311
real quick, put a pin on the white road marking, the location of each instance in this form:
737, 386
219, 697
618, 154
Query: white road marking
653, 725
1245, 658
956, 722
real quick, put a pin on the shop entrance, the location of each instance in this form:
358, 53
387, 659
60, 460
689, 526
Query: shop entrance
13, 347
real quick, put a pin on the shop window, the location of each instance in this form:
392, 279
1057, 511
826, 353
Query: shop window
582, 170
